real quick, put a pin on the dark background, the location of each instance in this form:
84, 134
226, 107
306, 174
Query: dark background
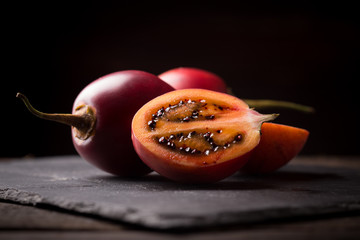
303, 52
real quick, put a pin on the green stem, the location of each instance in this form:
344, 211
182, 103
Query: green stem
265, 103
82, 122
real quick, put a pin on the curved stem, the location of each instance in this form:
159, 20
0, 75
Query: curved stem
269, 103
81, 122
265, 103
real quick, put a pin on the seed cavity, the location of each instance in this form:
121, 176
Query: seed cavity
196, 143
205, 140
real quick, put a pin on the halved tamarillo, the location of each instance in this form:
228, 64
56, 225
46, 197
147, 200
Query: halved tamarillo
196, 135
278, 145
101, 119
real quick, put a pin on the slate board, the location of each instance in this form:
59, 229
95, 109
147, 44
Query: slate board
72, 184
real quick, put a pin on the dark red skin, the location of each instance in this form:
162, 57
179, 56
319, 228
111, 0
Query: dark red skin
194, 174
116, 98
184, 77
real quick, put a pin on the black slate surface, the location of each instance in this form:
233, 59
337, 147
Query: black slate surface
152, 201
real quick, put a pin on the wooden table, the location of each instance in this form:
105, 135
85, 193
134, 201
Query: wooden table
27, 222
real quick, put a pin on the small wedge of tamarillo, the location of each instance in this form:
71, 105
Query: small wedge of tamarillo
278, 145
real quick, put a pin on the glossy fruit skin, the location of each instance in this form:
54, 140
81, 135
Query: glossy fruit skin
116, 97
185, 77
278, 145
234, 116
189, 174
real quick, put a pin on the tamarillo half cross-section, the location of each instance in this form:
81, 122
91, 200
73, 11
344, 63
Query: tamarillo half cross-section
196, 135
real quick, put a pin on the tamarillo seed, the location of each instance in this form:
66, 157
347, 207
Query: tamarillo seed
210, 117
152, 124
186, 119
238, 137
162, 140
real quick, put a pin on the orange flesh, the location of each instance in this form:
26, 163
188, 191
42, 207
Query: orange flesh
278, 145
200, 141
167, 128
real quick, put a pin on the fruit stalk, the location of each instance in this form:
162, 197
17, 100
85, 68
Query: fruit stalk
83, 122
267, 103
